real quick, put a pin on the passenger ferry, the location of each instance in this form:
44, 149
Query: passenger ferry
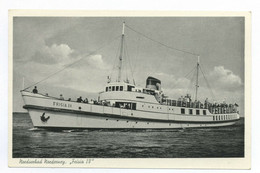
122, 105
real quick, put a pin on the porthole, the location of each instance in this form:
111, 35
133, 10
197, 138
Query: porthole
79, 107
127, 121
117, 120
106, 119
135, 122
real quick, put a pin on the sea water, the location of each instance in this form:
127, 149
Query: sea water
30, 142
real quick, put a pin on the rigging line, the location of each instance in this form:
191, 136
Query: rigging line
186, 76
191, 83
104, 45
193, 88
114, 62
212, 94
206, 80
164, 55
130, 64
125, 55
184, 51
137, 52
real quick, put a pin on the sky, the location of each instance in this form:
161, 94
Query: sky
45, 45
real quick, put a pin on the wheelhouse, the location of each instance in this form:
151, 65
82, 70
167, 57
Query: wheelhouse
119, 86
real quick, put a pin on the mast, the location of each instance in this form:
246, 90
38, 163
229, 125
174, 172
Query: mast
121, 53
197, 78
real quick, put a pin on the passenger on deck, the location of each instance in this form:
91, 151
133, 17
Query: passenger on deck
206, 103
79, 99
35, 91
61, 97
184, 103
86, 100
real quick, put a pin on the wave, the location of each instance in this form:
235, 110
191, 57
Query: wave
35, 129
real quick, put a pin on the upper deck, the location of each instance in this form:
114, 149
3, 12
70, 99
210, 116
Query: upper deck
130, 93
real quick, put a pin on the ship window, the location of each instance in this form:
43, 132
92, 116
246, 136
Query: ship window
204, 112
216, 118
129, 87
106, 88
182, 111
113, 88
197, 112
174, 103
109, 88
133, 106
121, 88
117, 88
213, 118
190, 111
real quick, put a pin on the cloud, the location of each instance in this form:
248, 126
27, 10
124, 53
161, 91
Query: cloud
224, 85
97, 62
172, 81
78, 77
55, 54
224, 79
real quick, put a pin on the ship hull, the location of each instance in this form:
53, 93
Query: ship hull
66, 120
47, 112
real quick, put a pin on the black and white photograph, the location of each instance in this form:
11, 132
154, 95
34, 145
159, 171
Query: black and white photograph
122, 86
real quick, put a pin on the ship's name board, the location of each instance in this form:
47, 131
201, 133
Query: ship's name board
58, 104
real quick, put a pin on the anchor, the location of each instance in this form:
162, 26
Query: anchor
43, 118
